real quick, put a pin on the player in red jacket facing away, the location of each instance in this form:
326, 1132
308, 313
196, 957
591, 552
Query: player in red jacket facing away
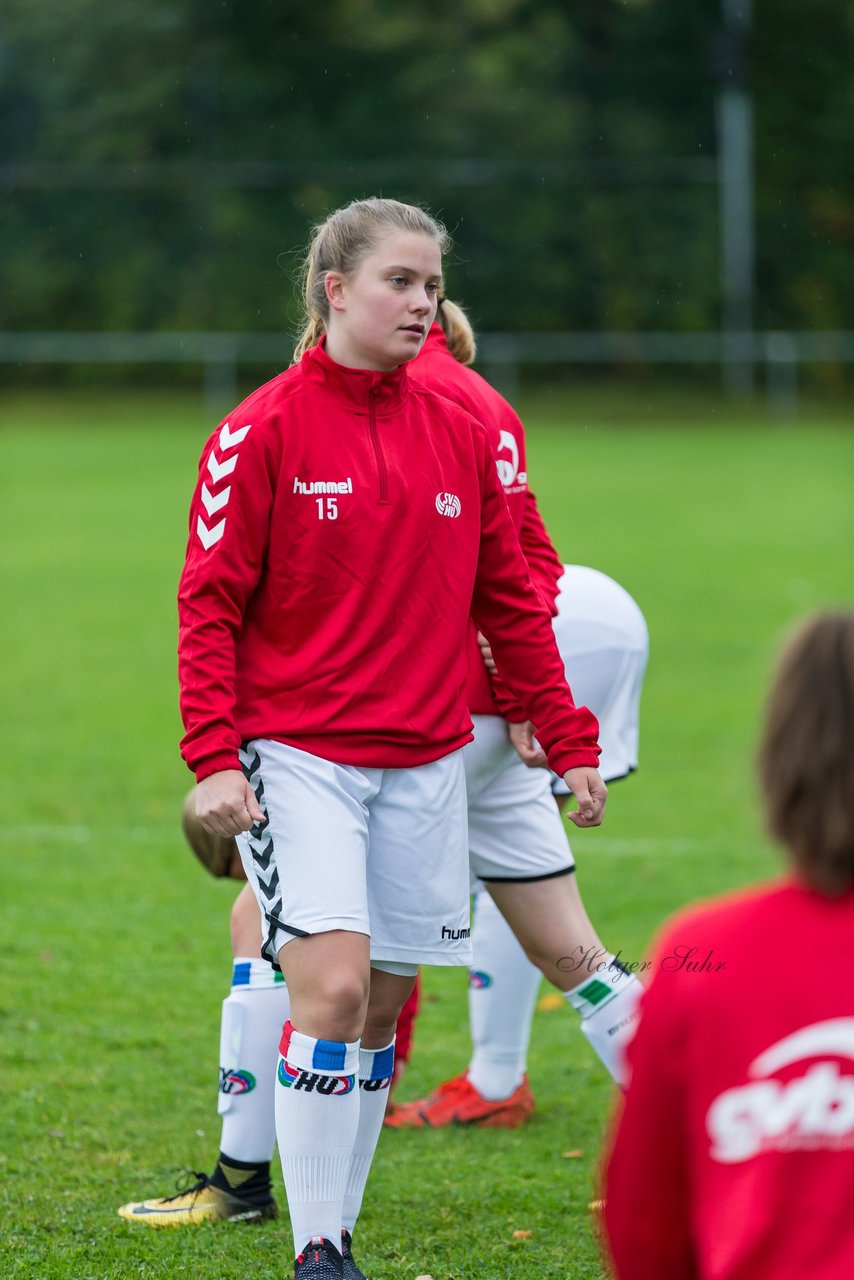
734, 1155
346, 524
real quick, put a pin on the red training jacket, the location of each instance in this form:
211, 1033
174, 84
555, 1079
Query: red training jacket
345, 525
437, 369
734, 1155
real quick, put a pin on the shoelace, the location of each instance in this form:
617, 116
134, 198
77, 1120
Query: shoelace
202, 1181
312, 1247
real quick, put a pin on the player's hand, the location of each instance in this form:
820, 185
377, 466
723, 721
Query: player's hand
591, 793
486, 654
226, 804
528, 749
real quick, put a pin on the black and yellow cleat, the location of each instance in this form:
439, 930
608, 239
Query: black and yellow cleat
201, 1202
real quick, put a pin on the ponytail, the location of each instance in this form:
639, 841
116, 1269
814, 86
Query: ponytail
459, 334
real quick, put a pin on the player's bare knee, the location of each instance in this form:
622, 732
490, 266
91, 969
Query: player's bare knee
339, 1001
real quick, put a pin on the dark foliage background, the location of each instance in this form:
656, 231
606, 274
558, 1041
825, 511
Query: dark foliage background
163, 159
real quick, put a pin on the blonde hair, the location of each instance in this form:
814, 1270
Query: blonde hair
342, 240
806, 757
459, 334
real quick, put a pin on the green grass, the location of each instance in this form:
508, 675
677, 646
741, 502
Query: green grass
115, 951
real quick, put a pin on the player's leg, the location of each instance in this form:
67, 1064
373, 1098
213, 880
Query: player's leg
459, 1099
419, 907
549, 919
518, 847
503, 986
307, 863
389, 992
253, 1014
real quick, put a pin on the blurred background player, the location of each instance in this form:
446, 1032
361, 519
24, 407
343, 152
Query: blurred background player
521, 847
603, 638
734, 1154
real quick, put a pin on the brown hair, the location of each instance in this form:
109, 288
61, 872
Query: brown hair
342, 240
806, 756
458, 331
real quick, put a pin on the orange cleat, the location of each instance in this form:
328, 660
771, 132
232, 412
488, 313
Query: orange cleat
458, 1102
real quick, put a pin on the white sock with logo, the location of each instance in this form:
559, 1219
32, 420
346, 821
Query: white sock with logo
503, 986
608, 1004
317, 1118
253, 1014
375, 1071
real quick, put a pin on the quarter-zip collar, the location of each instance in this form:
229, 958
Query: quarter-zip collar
363, 390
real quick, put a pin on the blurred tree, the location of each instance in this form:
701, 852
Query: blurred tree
163, 160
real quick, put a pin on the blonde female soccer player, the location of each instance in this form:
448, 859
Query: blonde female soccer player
346, 524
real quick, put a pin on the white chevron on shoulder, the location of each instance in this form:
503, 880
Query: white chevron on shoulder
214, 502
207, 536
220, 469
228, 439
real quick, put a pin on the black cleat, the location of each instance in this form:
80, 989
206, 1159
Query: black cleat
351, 1271
319, 1260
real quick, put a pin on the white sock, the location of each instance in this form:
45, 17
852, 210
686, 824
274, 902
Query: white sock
608, 1004
317, 1116
503, 986
375, 1071
253, 1015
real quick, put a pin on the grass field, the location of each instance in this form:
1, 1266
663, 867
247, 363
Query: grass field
115, 949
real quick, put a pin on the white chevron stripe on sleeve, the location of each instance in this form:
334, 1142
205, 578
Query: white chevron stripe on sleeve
207, 536
220, 469
228, 439
214, 502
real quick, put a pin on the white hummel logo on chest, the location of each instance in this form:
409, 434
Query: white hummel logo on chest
323, 486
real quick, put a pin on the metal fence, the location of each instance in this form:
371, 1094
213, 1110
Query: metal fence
500, 355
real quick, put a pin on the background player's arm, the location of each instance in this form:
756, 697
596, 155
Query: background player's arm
544, 563
546, 569
512, 615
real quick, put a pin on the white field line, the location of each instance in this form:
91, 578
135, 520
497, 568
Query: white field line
163, 833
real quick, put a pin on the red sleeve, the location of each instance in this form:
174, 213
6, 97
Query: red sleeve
544, 562
546, 569
229, 521
507, 608
647, 1210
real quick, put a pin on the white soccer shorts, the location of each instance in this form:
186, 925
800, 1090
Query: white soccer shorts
376, 851
515, 830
